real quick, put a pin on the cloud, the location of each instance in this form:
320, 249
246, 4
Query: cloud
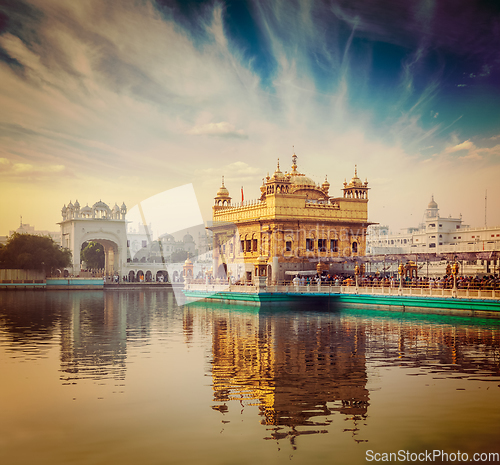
130, 100
28, 172
471, 156
467, 145
222, 129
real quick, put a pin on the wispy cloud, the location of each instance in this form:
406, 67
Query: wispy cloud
126, 98
222, 129
466, 145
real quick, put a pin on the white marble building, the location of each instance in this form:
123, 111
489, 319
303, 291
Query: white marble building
439, 235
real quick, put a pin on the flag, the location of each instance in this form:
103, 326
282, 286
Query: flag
242, 198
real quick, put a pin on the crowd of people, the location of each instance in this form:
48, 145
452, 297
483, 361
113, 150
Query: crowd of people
487, 282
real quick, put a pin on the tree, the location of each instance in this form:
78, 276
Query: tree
178, 256
93, 255
31, 252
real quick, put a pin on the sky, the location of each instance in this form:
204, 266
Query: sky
120, 101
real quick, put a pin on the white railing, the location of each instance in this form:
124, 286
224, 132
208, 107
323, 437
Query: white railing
328, 289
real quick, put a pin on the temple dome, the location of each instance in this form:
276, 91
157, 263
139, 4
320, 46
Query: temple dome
432, 203
301, 180
188, 238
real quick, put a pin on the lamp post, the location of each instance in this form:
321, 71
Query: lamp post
401, 270
455, 269
356, 274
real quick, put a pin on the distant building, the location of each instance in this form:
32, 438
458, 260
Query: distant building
142, 248
26, 228
440, 235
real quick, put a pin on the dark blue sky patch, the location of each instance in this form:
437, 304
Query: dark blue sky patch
12, 62
244, 34
190, 15
20, 19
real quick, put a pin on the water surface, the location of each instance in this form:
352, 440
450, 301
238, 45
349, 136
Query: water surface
129, 377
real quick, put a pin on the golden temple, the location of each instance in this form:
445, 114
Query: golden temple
295, 226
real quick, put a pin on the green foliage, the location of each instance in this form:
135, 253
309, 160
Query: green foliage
178, 256
93, 255
30, 252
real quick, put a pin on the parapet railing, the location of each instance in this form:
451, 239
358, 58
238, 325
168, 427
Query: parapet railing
345, 288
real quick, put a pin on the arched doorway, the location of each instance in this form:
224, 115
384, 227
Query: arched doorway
131, 276
92, 259
140, 276
222, 271
149, 276
162, 276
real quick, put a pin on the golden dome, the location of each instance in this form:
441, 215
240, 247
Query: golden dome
302, 180
278, 175
222, 192
297, 178
355, 181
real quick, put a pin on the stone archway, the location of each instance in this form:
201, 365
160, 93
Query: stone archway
99, 224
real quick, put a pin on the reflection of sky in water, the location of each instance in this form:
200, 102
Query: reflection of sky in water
123, 377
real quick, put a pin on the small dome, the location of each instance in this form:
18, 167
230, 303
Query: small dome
123, 207
64, 208
100, 204
278, 174
432, 203
188, 261
77, 204
325, 184
222, 192
167, 238
116, 208
355, 181
188, 238
86, 209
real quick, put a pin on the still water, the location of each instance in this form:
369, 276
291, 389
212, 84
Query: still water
130, 377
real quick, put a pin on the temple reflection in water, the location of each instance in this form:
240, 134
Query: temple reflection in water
298, 372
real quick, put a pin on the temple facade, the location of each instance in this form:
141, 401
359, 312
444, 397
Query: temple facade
294, 226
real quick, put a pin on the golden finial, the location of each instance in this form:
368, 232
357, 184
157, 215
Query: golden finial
356, 170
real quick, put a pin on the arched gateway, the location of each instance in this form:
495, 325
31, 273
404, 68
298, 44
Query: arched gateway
98, 223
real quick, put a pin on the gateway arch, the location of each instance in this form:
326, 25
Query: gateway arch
98, 223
